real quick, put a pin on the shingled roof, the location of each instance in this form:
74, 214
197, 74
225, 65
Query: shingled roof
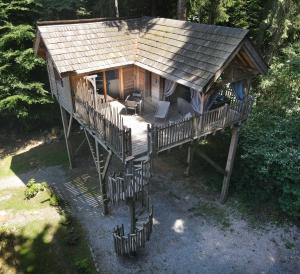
188, 53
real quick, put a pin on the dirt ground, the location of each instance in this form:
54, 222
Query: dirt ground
192, 233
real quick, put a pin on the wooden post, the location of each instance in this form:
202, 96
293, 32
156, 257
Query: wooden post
229, 164
189, 159
131, 205
104, 85
121, 83
102, 181
64, 119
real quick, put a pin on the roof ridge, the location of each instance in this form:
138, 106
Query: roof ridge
85, 20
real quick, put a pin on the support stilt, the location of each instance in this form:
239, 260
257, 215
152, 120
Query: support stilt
102, 179
67, 129
189, 160
229, 164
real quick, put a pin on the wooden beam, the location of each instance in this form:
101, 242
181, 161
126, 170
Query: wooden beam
102, 181
64, 119
229, 164
70, 125
106, 164
121, 83
211, 162
189, 159
80, 21
104, 83
225, 65
255, 56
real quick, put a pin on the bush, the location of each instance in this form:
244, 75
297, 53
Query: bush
33, 188
268, 167
83, 266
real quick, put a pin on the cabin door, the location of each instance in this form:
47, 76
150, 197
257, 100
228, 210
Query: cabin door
112, 83
155, 87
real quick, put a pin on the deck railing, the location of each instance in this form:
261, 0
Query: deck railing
164, 137
130, 185
130, 243
106, 126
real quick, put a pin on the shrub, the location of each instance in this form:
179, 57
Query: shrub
83, 266
268, 167
33, 188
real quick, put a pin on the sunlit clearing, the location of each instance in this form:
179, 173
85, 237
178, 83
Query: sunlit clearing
155, 221
272, 259
178, 226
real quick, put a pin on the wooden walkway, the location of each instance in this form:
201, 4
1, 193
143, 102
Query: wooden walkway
138, 124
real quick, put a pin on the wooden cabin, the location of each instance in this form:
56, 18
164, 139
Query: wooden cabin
139, 86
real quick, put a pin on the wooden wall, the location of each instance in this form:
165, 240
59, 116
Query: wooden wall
128, 80
60, 87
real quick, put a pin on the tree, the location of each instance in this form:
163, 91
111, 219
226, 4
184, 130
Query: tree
21, 89
181, 9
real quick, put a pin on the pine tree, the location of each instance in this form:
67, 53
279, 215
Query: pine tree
21, 89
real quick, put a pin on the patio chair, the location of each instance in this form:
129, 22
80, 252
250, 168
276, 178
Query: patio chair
162, 110
130, 104
134, 101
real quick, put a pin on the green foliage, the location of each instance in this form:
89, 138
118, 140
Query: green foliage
54, 199
209, 12
269, 164
83, 266
22, 75
33, 188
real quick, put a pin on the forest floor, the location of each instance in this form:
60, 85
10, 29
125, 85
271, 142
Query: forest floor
192, 232
37, 235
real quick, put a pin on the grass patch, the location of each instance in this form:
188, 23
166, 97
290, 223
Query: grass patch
14, 200
53, 244
212, 212
43, 155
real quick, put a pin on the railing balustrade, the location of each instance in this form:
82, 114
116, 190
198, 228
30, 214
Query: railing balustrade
130, 243
107, 126
164, 137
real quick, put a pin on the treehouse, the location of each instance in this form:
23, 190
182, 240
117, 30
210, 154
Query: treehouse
140, 86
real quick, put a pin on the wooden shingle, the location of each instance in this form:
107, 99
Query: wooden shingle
188, 53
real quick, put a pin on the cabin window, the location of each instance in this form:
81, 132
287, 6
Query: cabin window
112, 83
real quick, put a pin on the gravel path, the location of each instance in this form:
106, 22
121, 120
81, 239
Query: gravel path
183, 240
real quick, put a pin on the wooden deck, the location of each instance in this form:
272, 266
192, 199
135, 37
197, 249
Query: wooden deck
129, 135
138, 123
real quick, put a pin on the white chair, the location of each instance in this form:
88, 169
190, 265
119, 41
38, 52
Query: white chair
162, 110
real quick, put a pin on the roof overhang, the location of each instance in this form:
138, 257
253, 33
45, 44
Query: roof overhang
244, 50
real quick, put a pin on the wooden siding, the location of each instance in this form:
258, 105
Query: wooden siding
139, 79
60, 87
128, 80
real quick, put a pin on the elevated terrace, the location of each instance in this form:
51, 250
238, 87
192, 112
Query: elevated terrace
131, 136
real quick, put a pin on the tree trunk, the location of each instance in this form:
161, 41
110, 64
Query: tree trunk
181, 9
117, 8
213, 11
